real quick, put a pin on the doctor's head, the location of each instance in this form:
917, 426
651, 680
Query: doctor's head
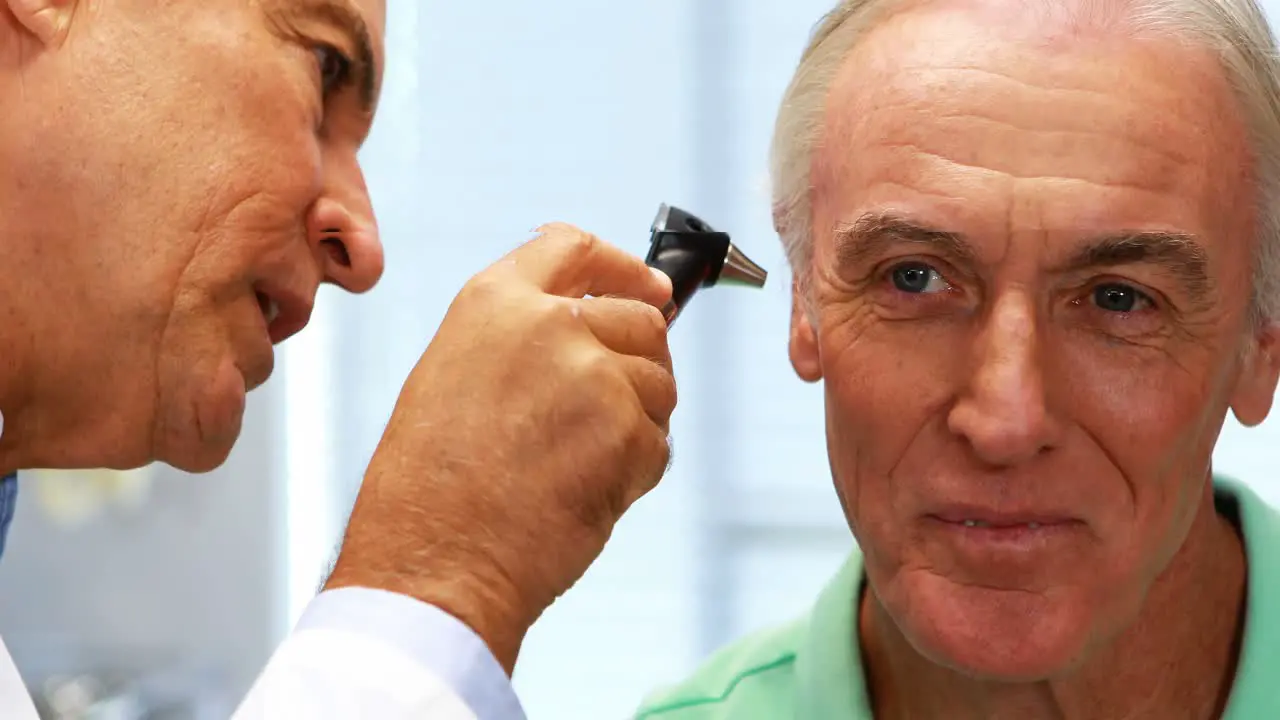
177, 177
1036, 254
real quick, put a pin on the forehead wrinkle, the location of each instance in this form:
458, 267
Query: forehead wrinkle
1154, 183
1062, 125
961, 98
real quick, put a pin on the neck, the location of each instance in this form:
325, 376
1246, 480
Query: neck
1188, 630
54, 416
19, 379
53, 393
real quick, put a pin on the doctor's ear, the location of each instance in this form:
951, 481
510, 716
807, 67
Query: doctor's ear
47, 21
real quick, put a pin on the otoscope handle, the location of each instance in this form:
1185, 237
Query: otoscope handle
692, 260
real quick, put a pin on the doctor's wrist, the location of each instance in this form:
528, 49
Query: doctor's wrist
493, 615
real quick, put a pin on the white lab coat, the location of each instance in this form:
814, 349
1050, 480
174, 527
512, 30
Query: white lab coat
365, 669
15, 704
320, 674
314, 675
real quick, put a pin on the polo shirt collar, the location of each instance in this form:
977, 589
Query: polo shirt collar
1254, 688
831, 681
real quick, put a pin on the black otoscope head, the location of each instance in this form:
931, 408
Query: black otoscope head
695, 256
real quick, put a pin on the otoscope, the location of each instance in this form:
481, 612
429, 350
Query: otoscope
695, 256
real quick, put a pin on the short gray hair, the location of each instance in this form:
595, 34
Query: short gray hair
1236, 30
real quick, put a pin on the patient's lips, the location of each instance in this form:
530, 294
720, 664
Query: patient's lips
984, 517
985, 532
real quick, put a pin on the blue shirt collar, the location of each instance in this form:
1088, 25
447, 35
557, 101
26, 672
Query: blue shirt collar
8, 501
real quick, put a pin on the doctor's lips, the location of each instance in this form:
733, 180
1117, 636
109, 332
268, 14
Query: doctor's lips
285, 310
695, 256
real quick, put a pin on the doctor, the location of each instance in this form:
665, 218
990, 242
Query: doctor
177, 178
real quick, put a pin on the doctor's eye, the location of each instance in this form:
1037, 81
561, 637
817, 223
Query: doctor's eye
918, 278
335, 68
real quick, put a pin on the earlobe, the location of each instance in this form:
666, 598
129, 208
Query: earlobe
46, 20
803, 344
1256, 385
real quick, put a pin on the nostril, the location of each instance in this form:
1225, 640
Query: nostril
337, 251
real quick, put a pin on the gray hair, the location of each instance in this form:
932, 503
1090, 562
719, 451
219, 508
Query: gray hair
1236, 30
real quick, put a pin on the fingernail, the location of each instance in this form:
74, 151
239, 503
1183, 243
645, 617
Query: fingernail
669, 311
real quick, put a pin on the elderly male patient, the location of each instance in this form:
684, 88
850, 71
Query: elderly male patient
1036, 248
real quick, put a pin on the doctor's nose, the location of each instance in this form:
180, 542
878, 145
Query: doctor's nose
343, 233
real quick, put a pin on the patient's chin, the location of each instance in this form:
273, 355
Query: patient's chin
994, 634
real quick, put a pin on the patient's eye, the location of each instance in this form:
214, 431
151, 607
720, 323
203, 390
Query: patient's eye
918, 278
1118, 298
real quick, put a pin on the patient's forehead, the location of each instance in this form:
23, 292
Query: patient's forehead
950, 106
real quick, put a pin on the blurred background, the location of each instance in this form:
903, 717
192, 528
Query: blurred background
160, 595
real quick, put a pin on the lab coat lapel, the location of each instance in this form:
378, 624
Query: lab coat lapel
15, 702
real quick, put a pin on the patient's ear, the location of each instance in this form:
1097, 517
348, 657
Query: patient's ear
46, 20
803, 345
1259, 372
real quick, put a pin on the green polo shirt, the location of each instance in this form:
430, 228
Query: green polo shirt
811, 669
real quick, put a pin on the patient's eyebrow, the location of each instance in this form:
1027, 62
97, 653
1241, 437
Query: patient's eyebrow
1178, 254
871, 235
344, 16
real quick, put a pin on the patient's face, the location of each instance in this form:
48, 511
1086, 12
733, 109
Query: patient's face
1030, 286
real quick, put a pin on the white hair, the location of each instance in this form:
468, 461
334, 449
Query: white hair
1236, 30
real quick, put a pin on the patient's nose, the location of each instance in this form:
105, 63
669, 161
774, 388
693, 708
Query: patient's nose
1002, 411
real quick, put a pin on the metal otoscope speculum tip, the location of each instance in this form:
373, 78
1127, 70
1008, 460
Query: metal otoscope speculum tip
695, 256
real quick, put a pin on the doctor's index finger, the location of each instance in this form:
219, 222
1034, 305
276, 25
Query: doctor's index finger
564, 260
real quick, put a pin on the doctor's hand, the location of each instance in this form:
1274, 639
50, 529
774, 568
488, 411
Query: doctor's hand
534, 419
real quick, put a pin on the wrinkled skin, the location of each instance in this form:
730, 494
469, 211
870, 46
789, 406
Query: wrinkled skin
973, 352
161, 166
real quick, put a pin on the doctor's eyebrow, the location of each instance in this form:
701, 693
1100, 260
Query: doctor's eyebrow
344, 16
